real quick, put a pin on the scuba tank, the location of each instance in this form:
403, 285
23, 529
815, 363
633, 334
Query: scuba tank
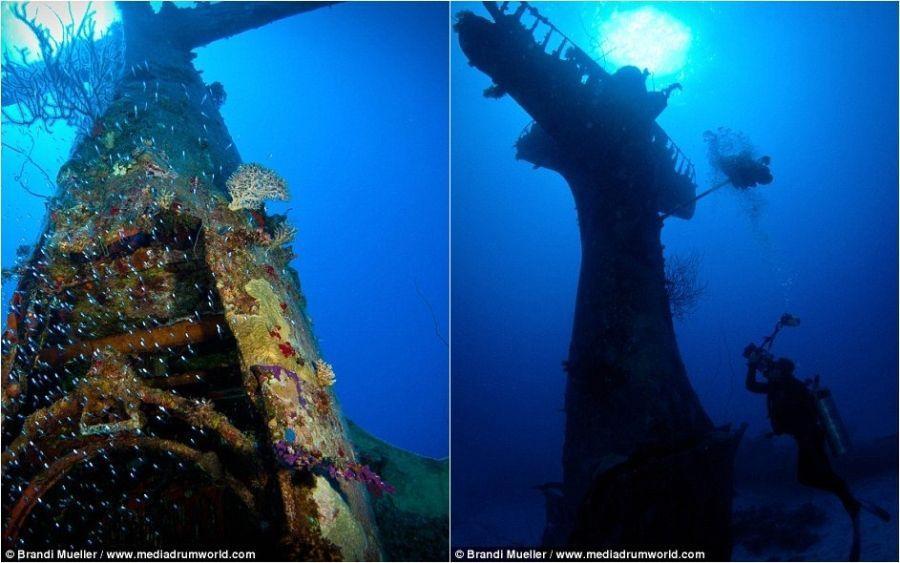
835, 431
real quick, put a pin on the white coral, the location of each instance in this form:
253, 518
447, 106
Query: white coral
251, 184
119, 169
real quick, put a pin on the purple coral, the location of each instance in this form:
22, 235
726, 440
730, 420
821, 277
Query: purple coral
292, 455
364, 475
277, 372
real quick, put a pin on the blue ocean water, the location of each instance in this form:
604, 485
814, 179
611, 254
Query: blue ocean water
812, 85
350, 105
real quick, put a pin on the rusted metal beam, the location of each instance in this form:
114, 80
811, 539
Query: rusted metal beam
151, 340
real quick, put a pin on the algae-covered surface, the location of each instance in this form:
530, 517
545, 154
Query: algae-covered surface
413, 521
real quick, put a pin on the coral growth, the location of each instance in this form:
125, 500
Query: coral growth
165, 198
292, 455
267, 331
683, 285
364, 475
324, 373
156, 167
77, 75
108, 138
251, 184
217, 93
305, 426
287, 349
119, 169
283, 235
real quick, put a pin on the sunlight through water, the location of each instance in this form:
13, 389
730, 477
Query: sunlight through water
646, 38
51, 15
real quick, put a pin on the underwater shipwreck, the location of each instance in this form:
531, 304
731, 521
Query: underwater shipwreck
162, 384
643, 465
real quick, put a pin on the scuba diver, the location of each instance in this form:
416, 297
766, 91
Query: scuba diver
745, 172
794, 409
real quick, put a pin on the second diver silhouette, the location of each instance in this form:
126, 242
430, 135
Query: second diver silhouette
804, 412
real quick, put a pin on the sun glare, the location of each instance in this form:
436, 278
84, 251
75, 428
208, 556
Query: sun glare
646, 38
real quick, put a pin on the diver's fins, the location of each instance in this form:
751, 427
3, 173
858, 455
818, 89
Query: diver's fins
875, 509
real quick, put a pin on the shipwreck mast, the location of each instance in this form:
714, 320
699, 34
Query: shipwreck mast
637, 440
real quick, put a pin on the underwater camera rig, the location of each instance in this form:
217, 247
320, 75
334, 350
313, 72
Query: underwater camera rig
829, 416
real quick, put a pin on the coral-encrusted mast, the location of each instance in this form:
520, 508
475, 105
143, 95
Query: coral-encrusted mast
159, 325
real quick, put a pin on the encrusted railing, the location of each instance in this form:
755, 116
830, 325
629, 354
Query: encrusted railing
680, 162
538, 25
